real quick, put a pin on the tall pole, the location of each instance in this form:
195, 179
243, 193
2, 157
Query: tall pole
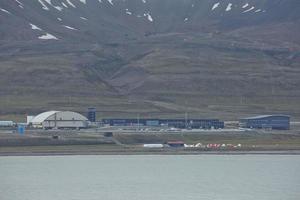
186, 115
138, 121
186, 118
55, 121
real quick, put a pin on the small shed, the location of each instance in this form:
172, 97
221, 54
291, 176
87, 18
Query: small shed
175, 144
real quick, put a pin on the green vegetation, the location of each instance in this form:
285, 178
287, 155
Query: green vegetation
132, 143
203, 76
211, 138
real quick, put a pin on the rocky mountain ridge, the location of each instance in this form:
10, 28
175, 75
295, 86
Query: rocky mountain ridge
211, 58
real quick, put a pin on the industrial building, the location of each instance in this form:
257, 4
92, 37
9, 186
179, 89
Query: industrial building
172, 123
280, 122
59, 120
194, 123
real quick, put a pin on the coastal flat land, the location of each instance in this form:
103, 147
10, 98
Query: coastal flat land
37, 142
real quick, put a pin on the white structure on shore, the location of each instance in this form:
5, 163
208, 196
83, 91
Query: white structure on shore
59, 119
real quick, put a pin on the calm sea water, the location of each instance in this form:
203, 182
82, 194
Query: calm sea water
225, 177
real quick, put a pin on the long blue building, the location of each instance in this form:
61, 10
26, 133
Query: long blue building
280, 122
175, 123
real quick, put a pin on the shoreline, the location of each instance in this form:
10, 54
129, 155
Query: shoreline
149, 153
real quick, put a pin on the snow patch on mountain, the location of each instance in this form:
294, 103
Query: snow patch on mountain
83, 1
258, 10
215, 6
56, 7
43, 5
21, 5
5, 11
64, 5
48, 36
70, 3
19, 2
34, 27
229, 7
128, 12
111, 2
248, 10
245, 6
149, 17
69, 27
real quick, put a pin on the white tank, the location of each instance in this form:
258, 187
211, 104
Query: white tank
153, 145
6, 123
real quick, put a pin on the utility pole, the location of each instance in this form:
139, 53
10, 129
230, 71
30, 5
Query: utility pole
138, 121
186, 115
186, 120
55, 122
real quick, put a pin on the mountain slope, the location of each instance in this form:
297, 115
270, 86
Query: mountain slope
208, 57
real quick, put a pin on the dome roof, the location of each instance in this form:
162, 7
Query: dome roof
42, 117
63, 115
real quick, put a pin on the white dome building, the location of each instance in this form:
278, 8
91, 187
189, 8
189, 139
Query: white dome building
59, 119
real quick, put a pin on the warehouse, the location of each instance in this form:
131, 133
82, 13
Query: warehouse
173, 123
59, 120
194, 123
132, 122
280, 122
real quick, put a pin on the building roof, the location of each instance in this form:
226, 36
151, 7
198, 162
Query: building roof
265, 116
42, 117
175, 142
39, 119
